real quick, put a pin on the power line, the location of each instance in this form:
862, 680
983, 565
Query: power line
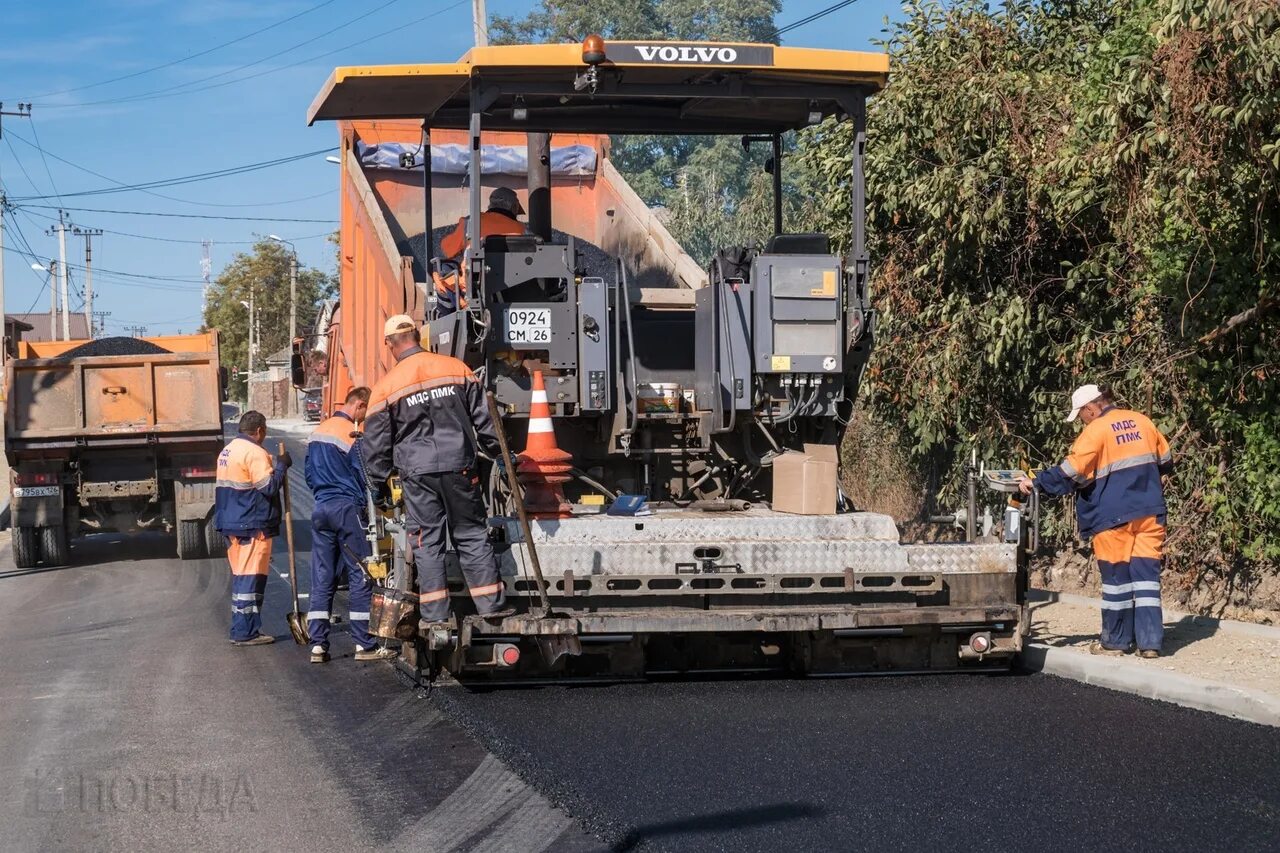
822, 13
204, 52
187, 86
180, 240
183, 215
36, 136
120, 183
169, 182
340, 49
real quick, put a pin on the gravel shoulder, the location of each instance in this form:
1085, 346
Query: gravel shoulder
1194, 646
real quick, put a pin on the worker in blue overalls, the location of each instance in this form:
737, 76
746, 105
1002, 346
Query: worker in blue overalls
336, 480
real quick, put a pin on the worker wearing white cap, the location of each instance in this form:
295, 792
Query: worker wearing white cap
427, 418
1115, 469
499, 220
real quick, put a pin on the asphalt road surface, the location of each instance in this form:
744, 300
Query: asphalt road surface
127, 721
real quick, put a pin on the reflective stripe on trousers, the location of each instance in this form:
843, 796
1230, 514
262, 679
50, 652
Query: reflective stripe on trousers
337, 539
1129, 558
445, 508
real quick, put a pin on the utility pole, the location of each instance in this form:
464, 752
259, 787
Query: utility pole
479, 23
61, 229
206, 272
53, 300
24, 111
4, 318
88, 234
100, 323
293, 306
136, 331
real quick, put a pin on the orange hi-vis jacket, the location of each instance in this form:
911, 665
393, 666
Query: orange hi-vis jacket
1114, 468
426, 416
492, 223
247, 489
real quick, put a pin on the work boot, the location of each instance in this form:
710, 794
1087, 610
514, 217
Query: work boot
1096, 648
319, 654
375, 653
259, 640
1149, 654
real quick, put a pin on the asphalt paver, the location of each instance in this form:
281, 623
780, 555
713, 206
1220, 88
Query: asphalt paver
957, 762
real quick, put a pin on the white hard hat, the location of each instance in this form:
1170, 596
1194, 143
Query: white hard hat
1081, 397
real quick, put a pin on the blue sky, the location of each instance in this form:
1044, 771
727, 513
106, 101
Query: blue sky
239, 104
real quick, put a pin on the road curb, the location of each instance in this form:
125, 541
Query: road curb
1131, 677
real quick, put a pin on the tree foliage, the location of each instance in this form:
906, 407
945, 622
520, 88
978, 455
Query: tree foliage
1065, 191
706, 183
264, 271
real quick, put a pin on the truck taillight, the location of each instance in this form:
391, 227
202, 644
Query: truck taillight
188, 473
29, 478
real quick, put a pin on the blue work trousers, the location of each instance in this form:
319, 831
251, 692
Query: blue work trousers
338, 544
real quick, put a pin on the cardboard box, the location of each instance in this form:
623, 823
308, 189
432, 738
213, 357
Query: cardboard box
805, 483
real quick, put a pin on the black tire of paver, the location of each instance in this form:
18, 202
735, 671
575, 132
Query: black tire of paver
215, 544
190, 540
26, 547
53, 545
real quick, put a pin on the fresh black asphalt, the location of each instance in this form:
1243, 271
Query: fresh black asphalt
921, 763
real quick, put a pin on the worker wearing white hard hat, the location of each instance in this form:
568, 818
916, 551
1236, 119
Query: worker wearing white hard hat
1115, 469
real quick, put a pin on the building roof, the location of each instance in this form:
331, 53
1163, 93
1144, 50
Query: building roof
38, 326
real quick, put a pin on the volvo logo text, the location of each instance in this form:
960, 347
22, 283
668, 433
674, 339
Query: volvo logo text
671, 53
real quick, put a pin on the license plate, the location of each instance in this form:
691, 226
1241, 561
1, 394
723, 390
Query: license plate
528, 325
37, 491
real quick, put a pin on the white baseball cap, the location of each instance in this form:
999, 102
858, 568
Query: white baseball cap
1081, 397
397, 324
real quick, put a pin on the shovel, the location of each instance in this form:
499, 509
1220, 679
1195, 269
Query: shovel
297, 622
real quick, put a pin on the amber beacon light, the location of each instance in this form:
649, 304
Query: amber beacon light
593, 49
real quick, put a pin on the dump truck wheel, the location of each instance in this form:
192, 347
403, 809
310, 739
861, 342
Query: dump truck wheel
190, 540
53, 545
26, 547
215, 544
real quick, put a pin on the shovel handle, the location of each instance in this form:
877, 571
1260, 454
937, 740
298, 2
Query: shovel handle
518, 495
288, 535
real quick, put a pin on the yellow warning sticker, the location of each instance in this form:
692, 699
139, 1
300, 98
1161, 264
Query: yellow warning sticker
780, 362
828, 285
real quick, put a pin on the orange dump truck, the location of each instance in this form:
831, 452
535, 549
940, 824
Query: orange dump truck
99, 443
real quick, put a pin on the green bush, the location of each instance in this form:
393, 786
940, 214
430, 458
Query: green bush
1065, 191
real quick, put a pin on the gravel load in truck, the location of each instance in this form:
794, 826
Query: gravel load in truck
115, 346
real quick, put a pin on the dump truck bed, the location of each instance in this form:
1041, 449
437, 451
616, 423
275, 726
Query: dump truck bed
56, 401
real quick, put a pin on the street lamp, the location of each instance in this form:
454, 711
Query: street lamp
293, 301
252, 338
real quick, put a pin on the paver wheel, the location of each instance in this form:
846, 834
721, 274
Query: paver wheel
26, 547
215, 544
53, 545
190, 540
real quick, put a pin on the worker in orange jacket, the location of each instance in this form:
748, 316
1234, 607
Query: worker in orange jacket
1115, 469
499, 220
247, 513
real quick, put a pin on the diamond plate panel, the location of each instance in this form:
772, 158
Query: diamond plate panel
754, 525
963, 558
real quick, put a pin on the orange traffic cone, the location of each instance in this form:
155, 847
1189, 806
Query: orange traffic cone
544, 467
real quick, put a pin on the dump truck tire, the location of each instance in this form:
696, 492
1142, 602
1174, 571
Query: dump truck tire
53, 545
215, 544
190, 540
26, 547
